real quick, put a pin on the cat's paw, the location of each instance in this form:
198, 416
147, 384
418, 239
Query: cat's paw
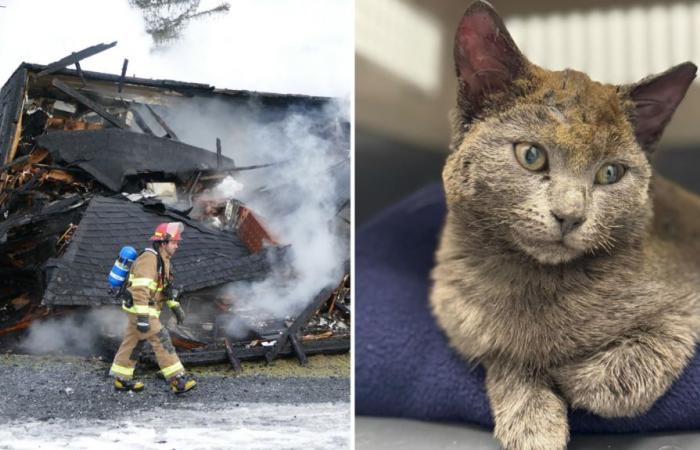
544, 431
531, 419
610, 386
528, 414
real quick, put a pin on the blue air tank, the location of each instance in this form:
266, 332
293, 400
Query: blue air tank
120, 269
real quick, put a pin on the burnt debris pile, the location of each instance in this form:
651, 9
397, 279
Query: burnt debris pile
90, 162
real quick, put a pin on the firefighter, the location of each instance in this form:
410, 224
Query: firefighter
150, 282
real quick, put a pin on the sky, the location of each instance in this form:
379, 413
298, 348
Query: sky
284, 46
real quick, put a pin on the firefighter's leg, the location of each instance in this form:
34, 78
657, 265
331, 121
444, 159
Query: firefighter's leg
170, 365
125, 360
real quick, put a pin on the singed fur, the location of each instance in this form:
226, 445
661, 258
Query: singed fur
603, 321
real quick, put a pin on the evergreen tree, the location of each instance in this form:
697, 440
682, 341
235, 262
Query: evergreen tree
166, 19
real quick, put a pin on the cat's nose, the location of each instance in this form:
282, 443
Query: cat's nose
568, 206
567, 222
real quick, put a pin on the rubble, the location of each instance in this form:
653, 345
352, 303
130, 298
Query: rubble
89, 163
112, 156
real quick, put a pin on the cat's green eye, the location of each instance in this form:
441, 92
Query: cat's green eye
530, 156
609, 174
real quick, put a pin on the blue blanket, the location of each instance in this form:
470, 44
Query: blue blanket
404, 366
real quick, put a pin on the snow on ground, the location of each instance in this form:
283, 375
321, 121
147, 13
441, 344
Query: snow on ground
244, 426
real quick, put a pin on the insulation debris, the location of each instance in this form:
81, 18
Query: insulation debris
91, 162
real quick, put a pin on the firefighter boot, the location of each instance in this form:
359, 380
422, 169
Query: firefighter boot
128, 385
182, 383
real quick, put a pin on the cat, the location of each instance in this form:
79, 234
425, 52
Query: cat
565, 266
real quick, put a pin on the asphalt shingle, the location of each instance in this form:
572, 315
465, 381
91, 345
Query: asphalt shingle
206, 257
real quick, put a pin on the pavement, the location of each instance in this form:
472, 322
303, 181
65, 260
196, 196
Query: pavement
68, 402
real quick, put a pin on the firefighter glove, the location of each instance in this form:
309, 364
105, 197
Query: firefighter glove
179, 314
171, 292
142, 324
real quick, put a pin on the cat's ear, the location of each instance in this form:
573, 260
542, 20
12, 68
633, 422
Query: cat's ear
655, 99
486, 58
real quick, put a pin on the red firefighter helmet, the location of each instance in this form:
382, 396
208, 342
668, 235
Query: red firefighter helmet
168, 232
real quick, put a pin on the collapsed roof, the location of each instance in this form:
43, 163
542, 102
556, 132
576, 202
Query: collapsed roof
90, 162
206, 257
112, 154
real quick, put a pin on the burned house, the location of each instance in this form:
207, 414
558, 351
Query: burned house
90, 162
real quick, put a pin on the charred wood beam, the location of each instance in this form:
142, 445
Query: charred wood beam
138, 118
235, 362
298, 350
80, 73
214, 354
14, 193
26, 321
73, 58
190, 191
16, 162
218, 153
171, 134
34, 157
63, 87
341, 207
194, 184
299, 322
213, 175
50, 214
343, 307
17, 137
29, 185
121, 77
57, 167
260, 166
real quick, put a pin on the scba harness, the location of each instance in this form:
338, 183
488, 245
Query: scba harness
158, 285
152, 285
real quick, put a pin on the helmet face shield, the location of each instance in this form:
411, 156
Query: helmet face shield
174, 231
168, 232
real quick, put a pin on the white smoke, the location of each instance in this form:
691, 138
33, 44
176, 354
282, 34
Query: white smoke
297, 200
285, 46
228, 188
78, 333
302, 215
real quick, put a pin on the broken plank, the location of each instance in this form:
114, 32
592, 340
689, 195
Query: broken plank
171, 134
298, 350
57, 167
216, 354
218, 153
58, 175
74, 58
26, 321
121, 77
141, 122
343, 307
260, 166
235, 362
233, 168
80, 73
294, 328
63, 87
15, 139
316, 337
16, 162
